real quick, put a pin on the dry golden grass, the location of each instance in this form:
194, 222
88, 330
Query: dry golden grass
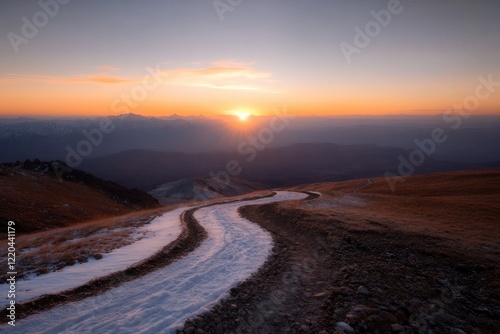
38, 202
42, 252
462, 208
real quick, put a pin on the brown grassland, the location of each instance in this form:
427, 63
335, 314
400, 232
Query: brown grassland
362, 259
37, 200
42, 252
462, 208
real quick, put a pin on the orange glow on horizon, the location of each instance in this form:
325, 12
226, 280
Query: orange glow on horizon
87, 101
32, 96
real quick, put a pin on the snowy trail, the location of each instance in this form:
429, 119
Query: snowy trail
161, 231
160, 302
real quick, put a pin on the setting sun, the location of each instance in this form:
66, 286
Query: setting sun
243, 115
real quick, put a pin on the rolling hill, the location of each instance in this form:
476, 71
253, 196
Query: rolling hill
197, 189
33, 196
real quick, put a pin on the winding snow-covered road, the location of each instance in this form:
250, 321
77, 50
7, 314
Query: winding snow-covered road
161, 301
160, 232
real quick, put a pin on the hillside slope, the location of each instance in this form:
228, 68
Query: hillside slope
197, 189
461, 207
33, 197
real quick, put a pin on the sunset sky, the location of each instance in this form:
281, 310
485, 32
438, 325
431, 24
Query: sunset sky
159, 57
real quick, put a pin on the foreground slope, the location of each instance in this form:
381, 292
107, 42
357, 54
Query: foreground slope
353, 258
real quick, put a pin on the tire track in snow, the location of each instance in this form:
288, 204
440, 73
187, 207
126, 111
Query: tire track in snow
164, 229
161, 301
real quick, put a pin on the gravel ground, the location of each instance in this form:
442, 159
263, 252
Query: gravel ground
325, 278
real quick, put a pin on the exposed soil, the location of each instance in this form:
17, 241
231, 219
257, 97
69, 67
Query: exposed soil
324, 277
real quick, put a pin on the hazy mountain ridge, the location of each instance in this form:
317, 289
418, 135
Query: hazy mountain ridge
477, 141
276, 167
49, 139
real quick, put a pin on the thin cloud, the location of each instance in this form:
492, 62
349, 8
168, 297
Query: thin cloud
218, 71
230, 87
232, 63
225, 74
260, 89
95, 78
102, 78
108, 68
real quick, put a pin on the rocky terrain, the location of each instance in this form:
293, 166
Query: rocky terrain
323, 278
331, 274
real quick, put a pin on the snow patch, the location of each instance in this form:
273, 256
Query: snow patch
160, 232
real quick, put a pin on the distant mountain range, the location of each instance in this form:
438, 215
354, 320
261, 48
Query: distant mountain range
49, 139
476, 141
145, 152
